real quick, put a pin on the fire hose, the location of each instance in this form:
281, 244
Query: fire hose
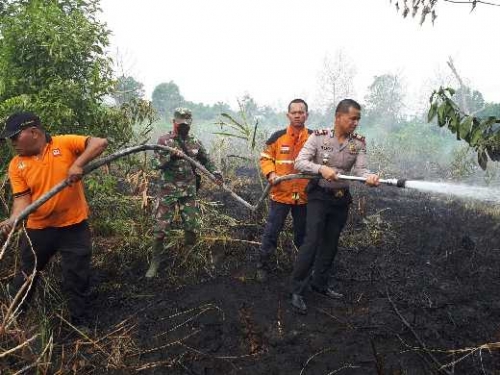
152, 147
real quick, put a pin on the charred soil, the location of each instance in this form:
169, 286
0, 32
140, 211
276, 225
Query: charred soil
420, 275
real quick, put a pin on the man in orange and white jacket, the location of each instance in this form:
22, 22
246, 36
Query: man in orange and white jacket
277, 160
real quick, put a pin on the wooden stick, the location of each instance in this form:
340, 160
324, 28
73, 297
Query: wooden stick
131, 150
417, 337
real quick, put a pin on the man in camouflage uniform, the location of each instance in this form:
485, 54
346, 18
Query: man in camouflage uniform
178, 185
327, 153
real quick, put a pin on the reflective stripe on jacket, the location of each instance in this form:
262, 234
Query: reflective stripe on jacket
279, 156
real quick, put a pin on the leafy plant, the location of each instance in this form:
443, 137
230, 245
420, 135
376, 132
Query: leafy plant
482, 134
241, 130
52, 61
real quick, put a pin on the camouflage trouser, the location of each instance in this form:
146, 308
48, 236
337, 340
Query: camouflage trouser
165, 212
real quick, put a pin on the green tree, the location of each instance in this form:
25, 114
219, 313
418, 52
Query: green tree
52, 61
384, 101
490, 109
265, 115
166, 97
481, 133
126, 89
474, 99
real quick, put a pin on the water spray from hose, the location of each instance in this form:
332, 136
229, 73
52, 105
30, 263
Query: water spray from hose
485, 194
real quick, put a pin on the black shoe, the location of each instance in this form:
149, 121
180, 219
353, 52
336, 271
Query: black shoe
298, 304
328, 292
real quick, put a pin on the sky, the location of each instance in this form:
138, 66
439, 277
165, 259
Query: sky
274, 50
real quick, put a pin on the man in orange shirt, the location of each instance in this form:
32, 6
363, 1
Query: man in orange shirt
60, 224
276, 160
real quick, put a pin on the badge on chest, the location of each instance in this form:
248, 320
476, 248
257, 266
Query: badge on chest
325, 158
326, 146
352, 148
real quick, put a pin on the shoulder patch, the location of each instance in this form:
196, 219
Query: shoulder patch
21, 165
274, 137
321, 132
359, 137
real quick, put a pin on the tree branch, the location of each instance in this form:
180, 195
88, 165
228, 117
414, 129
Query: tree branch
472, 2
131, 150
417, 337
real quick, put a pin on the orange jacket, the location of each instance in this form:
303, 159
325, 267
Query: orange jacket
279, 155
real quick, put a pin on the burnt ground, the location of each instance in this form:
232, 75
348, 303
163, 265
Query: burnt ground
421, 278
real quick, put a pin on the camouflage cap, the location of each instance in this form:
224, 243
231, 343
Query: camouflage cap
183, 116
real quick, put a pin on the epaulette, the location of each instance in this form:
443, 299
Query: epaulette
359, 137
321, 131
274, 137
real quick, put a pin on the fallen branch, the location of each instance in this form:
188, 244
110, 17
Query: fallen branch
489, 346
23, 291
38, 360
84, 335
226, 239
22, 345
315, 355
131, 150
348, 366
417, 337
176, 342
190, 319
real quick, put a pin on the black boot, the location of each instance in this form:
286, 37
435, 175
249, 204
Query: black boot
156, 258
328, 292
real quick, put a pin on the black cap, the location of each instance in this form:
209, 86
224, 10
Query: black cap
19, 121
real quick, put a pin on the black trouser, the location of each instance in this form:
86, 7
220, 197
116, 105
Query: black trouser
275, 221
74, 244
325, 221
